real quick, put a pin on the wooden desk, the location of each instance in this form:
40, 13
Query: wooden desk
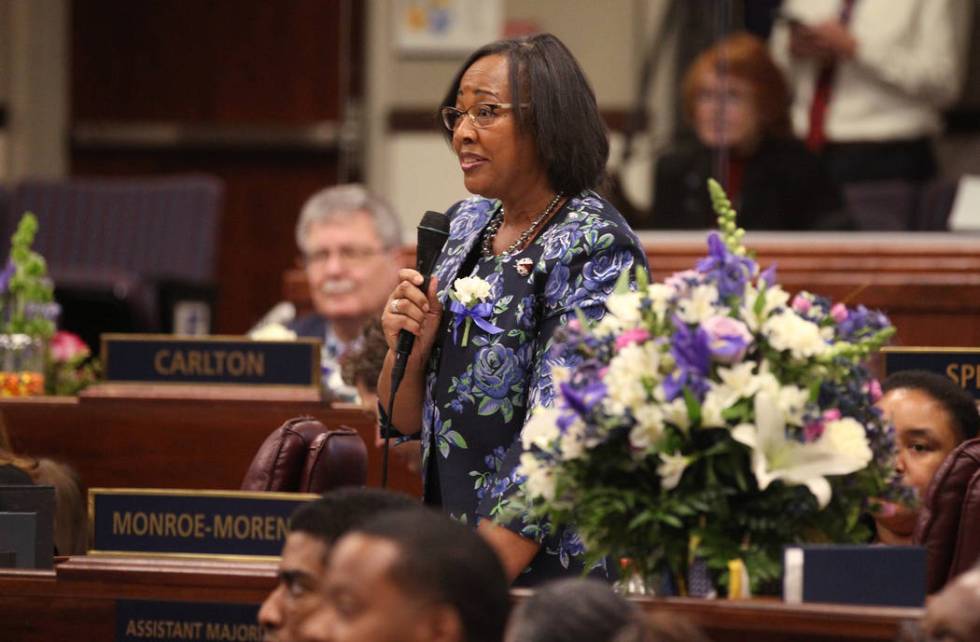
160, 440
928, 283
77, 601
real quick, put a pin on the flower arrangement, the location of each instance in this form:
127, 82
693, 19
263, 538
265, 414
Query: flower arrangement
27, 314
710, 420
70, 367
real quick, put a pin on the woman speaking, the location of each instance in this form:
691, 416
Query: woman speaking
535, 245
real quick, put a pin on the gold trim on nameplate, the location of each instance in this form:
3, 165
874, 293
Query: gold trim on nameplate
136, 337
936, 350
187, 556
191, 492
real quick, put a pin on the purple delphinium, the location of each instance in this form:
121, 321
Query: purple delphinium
692, 353
730, 271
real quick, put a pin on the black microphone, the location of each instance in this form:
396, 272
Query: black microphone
432, 235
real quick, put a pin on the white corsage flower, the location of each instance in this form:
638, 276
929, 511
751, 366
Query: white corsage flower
789, 331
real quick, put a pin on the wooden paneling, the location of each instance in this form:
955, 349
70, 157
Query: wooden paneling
152, 441
243, 70
77, 602
929, 285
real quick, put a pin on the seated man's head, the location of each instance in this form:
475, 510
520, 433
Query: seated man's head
349, 239
412, 576
313, 529
931, 416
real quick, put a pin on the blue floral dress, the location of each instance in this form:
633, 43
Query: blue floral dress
478, 396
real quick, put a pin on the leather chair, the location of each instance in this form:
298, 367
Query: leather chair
304, 456
949, 520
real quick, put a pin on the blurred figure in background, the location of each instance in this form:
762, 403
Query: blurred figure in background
577, 609
736, 100
70, 515
869, 80
349, 239
361, 367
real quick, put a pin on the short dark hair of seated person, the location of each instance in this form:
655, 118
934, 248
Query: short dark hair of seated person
412, 576
736, 100
313, 529
931, 415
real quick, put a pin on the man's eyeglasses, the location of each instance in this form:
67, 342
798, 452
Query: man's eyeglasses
347, 254
480, 114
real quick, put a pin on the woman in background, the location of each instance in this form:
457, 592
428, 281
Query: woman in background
736, 100
932, 416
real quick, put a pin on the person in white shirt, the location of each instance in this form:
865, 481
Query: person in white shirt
869, 80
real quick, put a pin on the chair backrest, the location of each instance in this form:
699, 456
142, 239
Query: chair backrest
305, 456
882, 205
157, 228
949, 520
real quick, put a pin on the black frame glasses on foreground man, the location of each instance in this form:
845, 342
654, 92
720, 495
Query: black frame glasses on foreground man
313, 529
411, 576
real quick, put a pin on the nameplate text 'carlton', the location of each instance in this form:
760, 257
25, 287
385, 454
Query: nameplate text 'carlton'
193, 522
167, 359
961, 365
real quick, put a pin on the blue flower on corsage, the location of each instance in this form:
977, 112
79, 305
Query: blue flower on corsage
469, 305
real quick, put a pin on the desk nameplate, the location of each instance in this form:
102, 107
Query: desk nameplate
153, 621
214, 360
961, 365
240, 525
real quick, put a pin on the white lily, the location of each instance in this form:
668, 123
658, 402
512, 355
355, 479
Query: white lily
671, 468
776, 457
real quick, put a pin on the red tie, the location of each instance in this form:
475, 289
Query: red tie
817, 136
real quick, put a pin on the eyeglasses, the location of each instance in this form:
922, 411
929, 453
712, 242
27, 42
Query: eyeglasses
345, 254
481, 114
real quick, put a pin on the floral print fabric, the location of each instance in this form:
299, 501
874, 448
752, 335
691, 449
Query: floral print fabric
478, 396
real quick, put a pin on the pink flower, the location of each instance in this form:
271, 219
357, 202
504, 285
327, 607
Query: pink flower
839, 313
812, 431
873, 388
728, 339
833, 414
575, 325
636, 335
801, 304
66, 346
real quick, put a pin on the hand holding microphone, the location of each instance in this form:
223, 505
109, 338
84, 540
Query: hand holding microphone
412, 305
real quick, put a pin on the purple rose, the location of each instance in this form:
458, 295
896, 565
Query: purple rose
728, 339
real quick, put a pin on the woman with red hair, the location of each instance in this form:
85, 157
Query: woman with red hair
737, 102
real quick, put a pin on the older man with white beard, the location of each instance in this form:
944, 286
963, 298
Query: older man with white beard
349, 239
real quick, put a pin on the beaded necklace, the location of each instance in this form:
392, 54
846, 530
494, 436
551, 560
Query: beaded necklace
490, 233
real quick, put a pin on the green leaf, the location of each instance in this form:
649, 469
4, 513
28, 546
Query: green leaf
456, 438
693, 407
623, 283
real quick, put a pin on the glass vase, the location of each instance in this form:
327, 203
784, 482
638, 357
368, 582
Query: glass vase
21, 365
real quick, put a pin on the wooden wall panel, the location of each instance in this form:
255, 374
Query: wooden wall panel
251, 91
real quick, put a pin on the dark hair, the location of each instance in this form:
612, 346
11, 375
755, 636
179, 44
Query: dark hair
363, 364
555, 104
339, 511
448, 562
744, 56
962, 408
575, 609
